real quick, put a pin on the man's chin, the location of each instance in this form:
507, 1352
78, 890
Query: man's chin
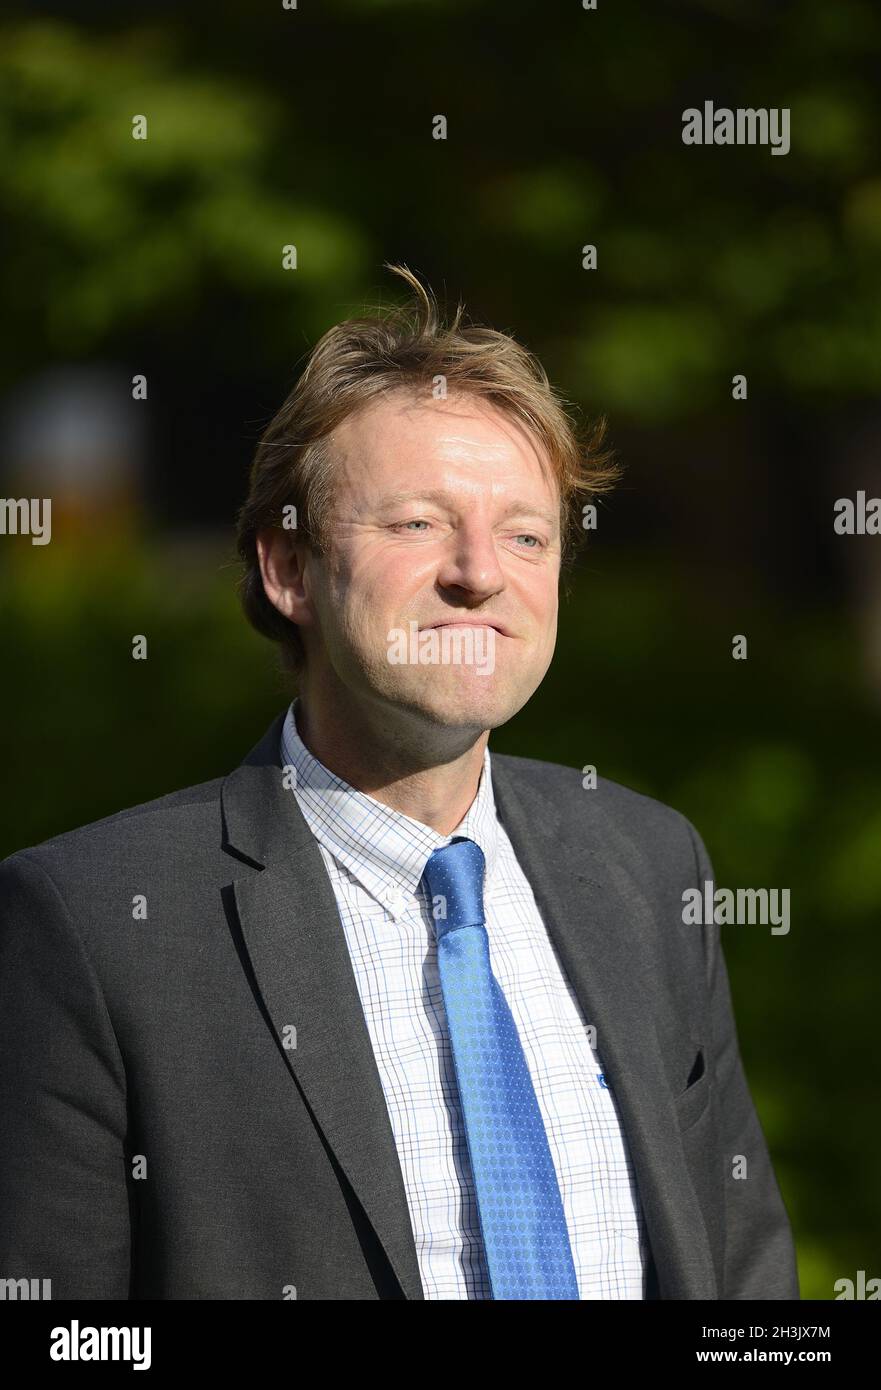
459, 697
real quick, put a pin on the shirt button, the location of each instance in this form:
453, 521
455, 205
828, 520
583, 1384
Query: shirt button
394, 901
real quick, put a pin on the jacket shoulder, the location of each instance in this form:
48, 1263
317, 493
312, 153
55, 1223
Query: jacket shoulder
148, 824
621, 809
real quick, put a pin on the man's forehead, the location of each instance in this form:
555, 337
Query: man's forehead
404, 430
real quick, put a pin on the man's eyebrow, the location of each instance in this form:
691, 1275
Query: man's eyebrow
516, 507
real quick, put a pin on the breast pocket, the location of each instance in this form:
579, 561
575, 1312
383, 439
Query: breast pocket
691, 1102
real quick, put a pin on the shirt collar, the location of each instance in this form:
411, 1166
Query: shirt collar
383, 849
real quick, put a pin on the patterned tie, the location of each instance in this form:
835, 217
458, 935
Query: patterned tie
518, 1199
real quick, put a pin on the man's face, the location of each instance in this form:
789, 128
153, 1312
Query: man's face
442, 514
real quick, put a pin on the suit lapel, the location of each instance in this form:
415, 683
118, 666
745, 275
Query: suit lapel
292, 931
599, 922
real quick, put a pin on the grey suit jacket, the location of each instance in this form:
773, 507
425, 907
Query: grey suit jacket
162, 1139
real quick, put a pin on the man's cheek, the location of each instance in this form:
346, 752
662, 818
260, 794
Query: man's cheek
365, 621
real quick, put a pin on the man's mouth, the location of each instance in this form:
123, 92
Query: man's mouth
470, 622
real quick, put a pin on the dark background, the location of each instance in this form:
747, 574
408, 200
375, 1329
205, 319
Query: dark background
313, 127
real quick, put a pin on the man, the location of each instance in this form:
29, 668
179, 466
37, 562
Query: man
377, 1015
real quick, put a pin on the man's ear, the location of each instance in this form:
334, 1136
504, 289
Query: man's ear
282, 560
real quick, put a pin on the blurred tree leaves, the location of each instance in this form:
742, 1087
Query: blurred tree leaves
111, 232
267, 130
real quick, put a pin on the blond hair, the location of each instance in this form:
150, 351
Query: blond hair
405, 347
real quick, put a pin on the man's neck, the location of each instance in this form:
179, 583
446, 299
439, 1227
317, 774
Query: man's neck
435, 789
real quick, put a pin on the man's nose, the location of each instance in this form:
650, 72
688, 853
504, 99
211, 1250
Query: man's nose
471, 561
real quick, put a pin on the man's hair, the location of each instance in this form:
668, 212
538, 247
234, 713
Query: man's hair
405, 347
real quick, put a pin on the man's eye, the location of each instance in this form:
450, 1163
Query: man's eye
421, 521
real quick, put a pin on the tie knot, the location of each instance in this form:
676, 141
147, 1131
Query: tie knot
454, 879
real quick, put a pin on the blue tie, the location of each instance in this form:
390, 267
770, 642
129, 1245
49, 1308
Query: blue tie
518, 1199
